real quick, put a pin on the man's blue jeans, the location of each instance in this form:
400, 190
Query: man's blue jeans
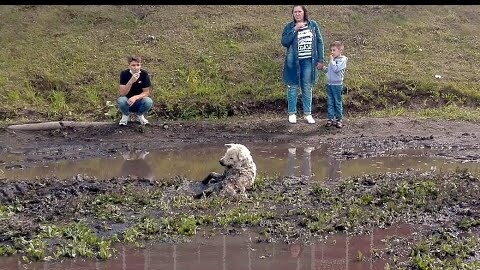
334, 102
306, 87
141, 106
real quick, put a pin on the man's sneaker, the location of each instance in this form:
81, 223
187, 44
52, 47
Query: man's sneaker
292, 118
142, 120
309, 119
124, 120
329, 123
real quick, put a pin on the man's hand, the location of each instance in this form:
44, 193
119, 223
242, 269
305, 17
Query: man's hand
134, 78
319, 65
132, 100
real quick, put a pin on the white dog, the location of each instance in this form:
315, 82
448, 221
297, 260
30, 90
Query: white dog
238, 176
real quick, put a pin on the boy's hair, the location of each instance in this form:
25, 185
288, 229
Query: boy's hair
305, 13
134, 58
337, 44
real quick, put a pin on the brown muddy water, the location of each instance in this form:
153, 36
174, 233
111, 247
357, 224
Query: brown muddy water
339, 252
315, 162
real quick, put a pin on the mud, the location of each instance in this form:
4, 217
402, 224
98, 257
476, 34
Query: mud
456, 139
278, 209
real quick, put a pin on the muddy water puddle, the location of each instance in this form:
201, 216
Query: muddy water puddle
317, 162
339, 252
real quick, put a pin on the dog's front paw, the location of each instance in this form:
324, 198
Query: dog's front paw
198, 195
207, 179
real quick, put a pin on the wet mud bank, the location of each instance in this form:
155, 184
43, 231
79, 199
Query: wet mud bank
360, 137
82, 216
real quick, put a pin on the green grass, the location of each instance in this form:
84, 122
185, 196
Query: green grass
63, 61
447, 113
70, 240
444, 251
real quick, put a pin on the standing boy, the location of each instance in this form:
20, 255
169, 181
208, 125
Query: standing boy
335, 73
134, 90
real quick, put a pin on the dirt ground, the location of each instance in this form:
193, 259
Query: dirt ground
283, 209
456, 139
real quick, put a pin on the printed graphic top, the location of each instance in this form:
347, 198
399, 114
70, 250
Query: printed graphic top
305, 38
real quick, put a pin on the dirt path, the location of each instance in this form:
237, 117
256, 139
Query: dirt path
456, 139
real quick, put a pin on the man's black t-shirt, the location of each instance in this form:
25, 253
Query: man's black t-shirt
142, 82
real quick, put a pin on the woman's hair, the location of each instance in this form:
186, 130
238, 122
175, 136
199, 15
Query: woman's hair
305, 13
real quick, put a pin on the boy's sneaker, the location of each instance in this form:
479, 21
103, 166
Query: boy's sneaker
339, 124
329, 123
123, 120
292, 118
143, 120
310, 119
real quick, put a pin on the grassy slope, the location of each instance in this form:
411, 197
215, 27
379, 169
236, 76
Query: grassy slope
62, 62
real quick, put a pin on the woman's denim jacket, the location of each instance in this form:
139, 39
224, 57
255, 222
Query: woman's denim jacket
291, 70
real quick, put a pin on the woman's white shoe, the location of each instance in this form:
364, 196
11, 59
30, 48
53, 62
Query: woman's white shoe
292, 118
310, 119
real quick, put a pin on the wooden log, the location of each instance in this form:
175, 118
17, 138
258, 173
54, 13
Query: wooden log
56, 125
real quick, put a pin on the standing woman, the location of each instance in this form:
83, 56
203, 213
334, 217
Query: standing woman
304, 56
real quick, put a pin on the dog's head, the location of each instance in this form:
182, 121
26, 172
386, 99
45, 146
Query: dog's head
236, 156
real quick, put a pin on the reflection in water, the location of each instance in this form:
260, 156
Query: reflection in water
295, 252
224, 252
306, 162
316, 163
134, 164
333, 168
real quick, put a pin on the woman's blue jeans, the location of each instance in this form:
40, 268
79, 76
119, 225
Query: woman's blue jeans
141, 106
334, 102
306, 87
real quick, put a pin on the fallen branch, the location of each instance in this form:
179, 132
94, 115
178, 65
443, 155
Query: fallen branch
56, 125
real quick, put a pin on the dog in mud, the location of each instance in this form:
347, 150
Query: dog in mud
238, 176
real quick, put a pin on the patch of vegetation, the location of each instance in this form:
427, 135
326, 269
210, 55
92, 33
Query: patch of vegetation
7, 250
278, 208
71, 240
6, 211
106, 207
242, 216
441, 250
183, 225
450, 112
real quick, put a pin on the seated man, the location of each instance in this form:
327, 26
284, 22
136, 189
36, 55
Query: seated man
134, 90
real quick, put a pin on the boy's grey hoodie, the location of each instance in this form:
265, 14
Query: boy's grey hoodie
336, 70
